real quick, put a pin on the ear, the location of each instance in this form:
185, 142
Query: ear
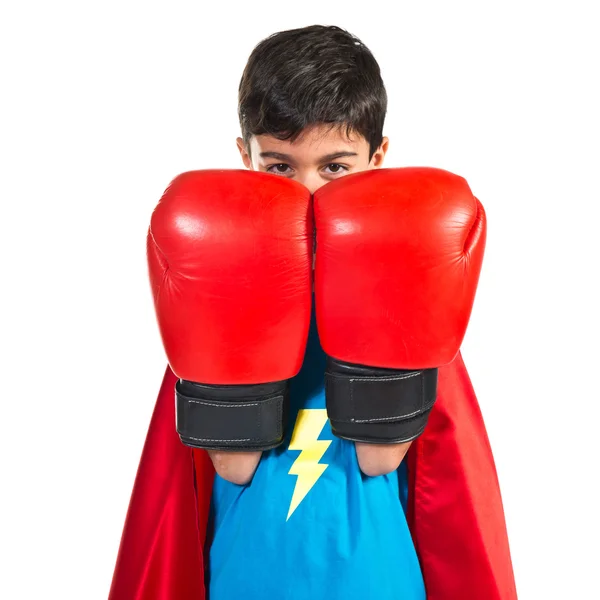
379, 154
244, 153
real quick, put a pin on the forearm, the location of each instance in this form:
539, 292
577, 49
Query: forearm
380, 459
236, 467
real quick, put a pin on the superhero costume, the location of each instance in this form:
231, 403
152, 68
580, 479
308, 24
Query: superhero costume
454, 512
310, 522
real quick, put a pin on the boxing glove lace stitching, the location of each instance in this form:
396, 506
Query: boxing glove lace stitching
217, 439
374, 378
236, 405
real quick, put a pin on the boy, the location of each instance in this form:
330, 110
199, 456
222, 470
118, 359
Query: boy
312, 106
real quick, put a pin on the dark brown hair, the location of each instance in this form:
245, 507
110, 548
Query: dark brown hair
314, 75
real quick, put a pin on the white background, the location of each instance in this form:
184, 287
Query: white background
104, 102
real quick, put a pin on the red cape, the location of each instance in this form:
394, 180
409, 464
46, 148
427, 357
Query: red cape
455, 509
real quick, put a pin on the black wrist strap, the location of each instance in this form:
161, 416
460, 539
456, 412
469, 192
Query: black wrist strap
378, 405
240, 417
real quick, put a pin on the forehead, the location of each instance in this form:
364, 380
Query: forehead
312, 144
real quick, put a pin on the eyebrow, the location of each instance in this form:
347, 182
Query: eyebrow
322, 159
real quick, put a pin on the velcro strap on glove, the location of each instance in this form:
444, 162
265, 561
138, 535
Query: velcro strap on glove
231, 417
368, 404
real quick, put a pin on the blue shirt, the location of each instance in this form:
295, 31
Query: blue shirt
310, 525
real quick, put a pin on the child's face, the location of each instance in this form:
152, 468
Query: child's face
317, 156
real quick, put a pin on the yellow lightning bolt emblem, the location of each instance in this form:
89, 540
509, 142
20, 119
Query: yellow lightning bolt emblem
306, 467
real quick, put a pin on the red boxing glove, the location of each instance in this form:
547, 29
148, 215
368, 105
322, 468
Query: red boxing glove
399, 253
230, 258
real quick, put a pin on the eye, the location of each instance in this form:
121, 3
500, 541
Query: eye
279, 169
336, 168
